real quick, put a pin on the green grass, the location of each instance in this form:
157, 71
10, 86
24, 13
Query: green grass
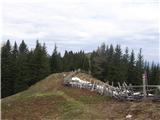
71, 109
93, 99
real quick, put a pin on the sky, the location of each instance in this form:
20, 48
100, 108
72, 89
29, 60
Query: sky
84, 24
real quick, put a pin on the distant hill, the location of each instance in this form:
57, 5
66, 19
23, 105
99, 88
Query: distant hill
49, 99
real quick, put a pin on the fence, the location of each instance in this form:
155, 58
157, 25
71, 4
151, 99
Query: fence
122, 92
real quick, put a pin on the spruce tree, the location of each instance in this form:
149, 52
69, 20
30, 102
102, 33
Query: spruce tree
7, 83
118, 71
45, 59
139, 67
14, 65
41, 62
92, 63
125, 64
131, 69
68, 61
22, 75
65, 61
98, 63
31, 68
56, 61
111, 67
85, 64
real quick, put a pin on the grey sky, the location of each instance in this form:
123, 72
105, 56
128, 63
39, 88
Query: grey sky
84, 24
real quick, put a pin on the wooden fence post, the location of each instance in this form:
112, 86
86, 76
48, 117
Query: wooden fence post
144, 85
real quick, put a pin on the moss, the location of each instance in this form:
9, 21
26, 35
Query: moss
71, 109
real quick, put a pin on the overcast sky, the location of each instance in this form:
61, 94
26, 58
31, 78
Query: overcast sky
84, 24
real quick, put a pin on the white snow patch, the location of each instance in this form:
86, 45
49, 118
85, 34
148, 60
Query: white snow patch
76, 79
136, 93
150, 94
129, 116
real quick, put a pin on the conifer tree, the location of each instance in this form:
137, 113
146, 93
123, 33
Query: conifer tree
14, 63
154, 74
31, 68
98, 63
125, 64
85, 64
92, 63
111, 67
68, 61
65, 61
131, 69
118, 72
7, 83
56, 61
41, 62
139, 67
22, 78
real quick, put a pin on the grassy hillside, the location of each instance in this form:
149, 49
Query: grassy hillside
50, 100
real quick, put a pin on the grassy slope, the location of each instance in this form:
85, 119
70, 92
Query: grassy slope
50, 100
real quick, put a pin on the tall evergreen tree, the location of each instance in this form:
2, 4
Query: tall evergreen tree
125, 64
31, 68
92, 63
22, 78
139, 67
98, 63
68, 61
45, 58
65, 61
118, 72
56, 61
111, 67
7, 83
85, 63
14, 63
41, 62
131, 69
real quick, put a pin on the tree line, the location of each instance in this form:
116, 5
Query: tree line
21, 67
110, 64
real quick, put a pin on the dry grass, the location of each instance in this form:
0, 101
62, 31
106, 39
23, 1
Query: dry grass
50, 100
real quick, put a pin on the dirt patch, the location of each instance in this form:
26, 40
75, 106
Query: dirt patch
33, 109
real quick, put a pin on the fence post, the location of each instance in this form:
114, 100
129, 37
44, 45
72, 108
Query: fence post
144, 85
92, 89
112, 84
